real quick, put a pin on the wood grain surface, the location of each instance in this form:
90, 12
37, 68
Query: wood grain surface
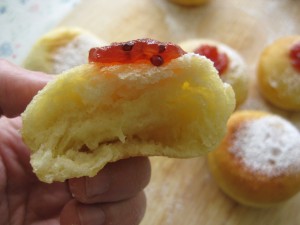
182, 191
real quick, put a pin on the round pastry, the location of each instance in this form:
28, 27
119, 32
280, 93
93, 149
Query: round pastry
258, 161
228, 62
137, 98
279, 73
189, 2
61, 49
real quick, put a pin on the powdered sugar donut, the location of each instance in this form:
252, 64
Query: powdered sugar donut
279, 73
258, 161
231, 66
61, 49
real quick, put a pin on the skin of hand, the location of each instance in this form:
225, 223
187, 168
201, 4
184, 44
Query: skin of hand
114, 196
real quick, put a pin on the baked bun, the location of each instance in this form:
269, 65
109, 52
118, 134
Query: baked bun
230, 64
258, 161
61, 49
279, 73
189, 2
99, 113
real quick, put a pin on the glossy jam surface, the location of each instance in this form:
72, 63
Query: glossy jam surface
295, 56
220, 60
136, 51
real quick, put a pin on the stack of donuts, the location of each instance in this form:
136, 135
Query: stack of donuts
258, 162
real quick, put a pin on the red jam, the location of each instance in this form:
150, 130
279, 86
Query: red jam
220, 60
295, 56
136, 51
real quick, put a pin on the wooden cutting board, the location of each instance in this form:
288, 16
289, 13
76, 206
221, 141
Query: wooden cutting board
182, 191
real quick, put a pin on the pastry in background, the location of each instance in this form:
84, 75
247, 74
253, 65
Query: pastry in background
137, 98
258, 161
190, 2
230, 65
278, 73
61, 49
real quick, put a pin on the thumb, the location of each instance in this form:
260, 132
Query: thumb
17, 88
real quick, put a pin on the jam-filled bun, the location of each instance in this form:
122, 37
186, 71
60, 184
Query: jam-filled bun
230, 65
279, 73
258, 161
190, 2
139, 98
61, 49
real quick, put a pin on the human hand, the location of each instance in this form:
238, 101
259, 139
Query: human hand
114, 196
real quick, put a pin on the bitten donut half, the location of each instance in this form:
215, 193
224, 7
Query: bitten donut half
132, 99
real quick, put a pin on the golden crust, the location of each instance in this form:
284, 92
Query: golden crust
278, 80
244, 185
94, 114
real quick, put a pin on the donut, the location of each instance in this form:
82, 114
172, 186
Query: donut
190, 2
230, 65
258, 161
278, 73
136, 98
61, 49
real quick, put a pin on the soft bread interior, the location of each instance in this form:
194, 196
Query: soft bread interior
95, 114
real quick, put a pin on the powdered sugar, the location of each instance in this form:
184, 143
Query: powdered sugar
269, 146
74, 53
289, 78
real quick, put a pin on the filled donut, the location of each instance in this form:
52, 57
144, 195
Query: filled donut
278, 73
258, 162
230, 65
137, 98
61, 49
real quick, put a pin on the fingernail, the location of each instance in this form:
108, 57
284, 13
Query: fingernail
97, 185
91, 215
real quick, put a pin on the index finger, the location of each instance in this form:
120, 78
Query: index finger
115, 182
17, 88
